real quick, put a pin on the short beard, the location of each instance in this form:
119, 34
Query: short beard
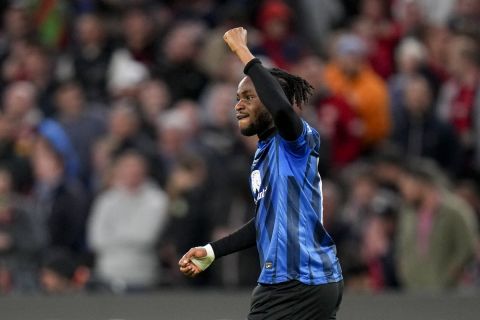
262, 123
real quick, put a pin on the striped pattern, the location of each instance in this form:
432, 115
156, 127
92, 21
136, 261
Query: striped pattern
291, 240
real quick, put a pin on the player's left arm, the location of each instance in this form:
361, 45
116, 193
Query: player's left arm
198, 259
288, 123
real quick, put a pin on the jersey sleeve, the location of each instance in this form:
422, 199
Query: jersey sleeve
307, 141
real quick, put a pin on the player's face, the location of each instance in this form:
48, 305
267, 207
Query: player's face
253, 118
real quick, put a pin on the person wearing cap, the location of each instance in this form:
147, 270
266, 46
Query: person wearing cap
348, 74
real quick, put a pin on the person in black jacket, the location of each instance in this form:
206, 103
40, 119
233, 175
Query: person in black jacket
418, 132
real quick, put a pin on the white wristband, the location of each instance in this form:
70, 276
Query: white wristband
204, 262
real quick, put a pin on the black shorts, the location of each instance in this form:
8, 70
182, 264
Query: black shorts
295, 300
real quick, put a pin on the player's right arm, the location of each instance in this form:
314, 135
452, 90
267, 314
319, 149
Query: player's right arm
269, 90
198, 259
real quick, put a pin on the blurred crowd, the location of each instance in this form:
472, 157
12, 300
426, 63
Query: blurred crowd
119, 149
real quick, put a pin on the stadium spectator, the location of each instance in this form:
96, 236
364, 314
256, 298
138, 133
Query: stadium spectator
411, 58
349, 75
375, 26
188, 218
60, 204
57, 275
17, 164
131, 61
126, 222
357, 213
101, 165
21, 111
38, 70
436, 39
459, 100
21, 242
81, 123
278, 42
319, 19
176, 133
177, 63
89, 58
464, 18
436, 235
124, 131
420, 133
153, 99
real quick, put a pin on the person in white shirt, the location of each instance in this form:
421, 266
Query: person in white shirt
125, 224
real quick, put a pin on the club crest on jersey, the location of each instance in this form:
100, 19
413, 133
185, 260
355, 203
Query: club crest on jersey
256, 181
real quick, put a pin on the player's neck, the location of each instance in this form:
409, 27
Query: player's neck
267, 133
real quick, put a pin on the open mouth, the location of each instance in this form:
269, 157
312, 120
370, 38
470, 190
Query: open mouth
241, 116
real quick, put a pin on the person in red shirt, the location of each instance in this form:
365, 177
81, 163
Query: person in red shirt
459, 99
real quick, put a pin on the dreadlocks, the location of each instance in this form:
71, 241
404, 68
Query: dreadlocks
297, 89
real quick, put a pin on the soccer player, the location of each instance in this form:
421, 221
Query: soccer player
300, 274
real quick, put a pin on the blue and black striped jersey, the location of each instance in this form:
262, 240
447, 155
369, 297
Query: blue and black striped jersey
287, 190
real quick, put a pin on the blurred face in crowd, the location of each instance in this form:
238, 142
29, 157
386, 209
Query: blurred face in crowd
176, 127
19, 99
311, 69
130, 171
274, 19
137, 29
54, 283
363, 190
411, 189
37, 64
16, 23
70, 99
181, 43
277, 28
387, 173
410, 55
219, 104
462, 52
437, 40
418, 96
47, 165
350, 53
123, 122
373, 9
6, 129
90, 30
351, 64
190, 112
153, 97
253, 117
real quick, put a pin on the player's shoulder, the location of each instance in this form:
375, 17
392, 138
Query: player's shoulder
309, 133
308, 129
308, 139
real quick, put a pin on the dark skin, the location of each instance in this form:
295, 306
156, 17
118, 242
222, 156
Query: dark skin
253, 119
